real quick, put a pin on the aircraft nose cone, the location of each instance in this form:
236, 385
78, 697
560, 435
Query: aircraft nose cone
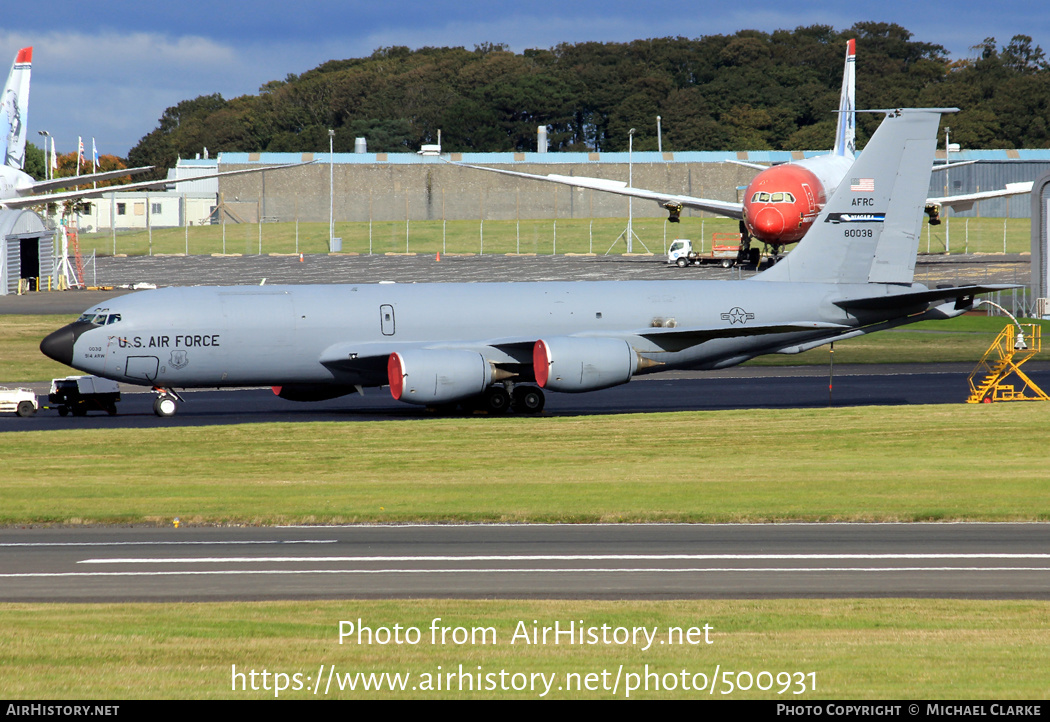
58, 345
768, 224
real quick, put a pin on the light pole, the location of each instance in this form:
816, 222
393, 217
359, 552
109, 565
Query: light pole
947, 188
629, 231
331, 189
47, 165
630, 184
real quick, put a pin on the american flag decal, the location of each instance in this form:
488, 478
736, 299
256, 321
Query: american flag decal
862, 184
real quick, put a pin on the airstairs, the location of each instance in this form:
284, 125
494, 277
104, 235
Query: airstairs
1012, 348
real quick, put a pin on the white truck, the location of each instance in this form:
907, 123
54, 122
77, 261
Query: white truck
80, 394
681, 254
21, 401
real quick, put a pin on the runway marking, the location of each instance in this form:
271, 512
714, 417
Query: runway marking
572, 570
161, 543
548, 557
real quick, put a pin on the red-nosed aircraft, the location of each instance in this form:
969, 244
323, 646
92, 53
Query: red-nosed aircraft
781, 202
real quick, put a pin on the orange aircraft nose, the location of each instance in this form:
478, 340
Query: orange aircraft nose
768, 224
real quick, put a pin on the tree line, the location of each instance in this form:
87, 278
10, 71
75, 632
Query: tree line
750, 90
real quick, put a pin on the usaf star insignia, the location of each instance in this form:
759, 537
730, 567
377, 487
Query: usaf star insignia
738, 315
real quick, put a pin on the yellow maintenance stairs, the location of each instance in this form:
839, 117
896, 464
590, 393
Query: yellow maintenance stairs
1014, 345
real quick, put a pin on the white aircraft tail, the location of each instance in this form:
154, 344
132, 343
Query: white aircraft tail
14, 111
846, 128
869, 230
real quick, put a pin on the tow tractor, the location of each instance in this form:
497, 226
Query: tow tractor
80, 394
21, 401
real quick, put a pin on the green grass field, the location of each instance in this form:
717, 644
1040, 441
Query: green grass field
545, 236
851, 649
983, 462
20, 357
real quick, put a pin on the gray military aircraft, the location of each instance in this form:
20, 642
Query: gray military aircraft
496, 345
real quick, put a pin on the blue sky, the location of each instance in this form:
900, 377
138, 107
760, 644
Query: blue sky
108, 69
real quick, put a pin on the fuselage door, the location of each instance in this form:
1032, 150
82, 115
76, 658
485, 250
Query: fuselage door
810, 198
386, 319
142, 367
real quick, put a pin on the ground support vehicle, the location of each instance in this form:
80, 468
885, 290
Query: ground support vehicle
681, 254
80, 394
20, 401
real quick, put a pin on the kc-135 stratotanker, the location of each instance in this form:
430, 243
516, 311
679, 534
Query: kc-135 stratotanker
501, 345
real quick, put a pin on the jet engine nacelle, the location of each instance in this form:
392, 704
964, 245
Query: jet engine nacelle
573, 364
437, 376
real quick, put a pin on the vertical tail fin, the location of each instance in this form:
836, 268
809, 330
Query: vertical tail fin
14, 111
869, 230
846, 128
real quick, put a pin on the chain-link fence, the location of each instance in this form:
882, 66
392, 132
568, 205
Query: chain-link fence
541, 236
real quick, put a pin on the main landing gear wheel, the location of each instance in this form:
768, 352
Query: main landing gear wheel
497, 400
528, 400
165, 406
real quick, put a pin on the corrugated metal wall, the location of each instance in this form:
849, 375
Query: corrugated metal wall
18, 227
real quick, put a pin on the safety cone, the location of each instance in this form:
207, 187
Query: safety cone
300, 258
439, 255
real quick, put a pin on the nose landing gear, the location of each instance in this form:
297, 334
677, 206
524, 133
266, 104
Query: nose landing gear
167, 402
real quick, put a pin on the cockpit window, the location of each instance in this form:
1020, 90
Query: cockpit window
99, 319
779, 197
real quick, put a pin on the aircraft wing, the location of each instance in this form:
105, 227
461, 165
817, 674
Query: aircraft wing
29, 201
748, 164
946, 166
965, 202
71, 181
722, 208
677, 339
371, 358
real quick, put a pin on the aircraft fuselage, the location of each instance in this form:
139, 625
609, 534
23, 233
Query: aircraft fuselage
275, 335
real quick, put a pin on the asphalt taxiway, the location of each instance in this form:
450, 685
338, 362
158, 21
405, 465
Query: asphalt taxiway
744, 388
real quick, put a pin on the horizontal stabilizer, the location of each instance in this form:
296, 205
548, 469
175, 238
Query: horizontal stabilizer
903, 300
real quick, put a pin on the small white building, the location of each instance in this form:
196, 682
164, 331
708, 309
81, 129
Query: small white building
187, 202
139, 210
